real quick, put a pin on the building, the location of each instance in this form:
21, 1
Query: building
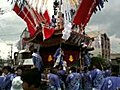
105, 46
115, 58
101, 46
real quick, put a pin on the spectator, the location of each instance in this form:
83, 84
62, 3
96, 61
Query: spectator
1, 81
31, 79
17, 83
8, 77
19, 70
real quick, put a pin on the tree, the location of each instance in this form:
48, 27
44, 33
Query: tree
98, 61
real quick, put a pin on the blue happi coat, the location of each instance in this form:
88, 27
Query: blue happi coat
87, 81
37, 60
7, 82
107, 73
58, 57
54, 82
87, 59
111, 83
1, 80
97, 78
73, 81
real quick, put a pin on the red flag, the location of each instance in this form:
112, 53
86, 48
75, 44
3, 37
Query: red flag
39, 16
90, 14
33, 19
82, 12
47, 32
26, 16
47, 17
45, 11
30, 16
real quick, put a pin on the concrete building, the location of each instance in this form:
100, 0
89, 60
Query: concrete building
105, 46
115, 58
101, 46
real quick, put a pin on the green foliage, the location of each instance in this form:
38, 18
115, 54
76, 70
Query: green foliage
98, 62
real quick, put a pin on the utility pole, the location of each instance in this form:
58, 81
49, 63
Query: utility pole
11, 51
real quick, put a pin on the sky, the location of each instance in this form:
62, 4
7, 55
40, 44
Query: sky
107, 20
11, 27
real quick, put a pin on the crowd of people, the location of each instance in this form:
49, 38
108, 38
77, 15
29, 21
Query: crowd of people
59, 77
18, 78
55, 78
73, 78
88, 78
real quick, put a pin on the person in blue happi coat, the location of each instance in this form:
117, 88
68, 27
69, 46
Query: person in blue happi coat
54, 80
1, 78
97, 77
73, 80
58, 57
37, 60
8, 77
107, 72
1, 81
112, 82
62, 75
87, 80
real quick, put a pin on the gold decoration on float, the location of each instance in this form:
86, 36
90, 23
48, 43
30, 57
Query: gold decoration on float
50, 58
71, 58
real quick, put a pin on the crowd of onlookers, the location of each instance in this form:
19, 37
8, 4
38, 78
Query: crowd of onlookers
73, 78
19, 78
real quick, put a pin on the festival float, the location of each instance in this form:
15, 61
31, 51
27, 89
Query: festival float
59, 24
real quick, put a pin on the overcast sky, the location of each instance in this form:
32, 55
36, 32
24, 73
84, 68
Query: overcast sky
11, 25
107, 20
